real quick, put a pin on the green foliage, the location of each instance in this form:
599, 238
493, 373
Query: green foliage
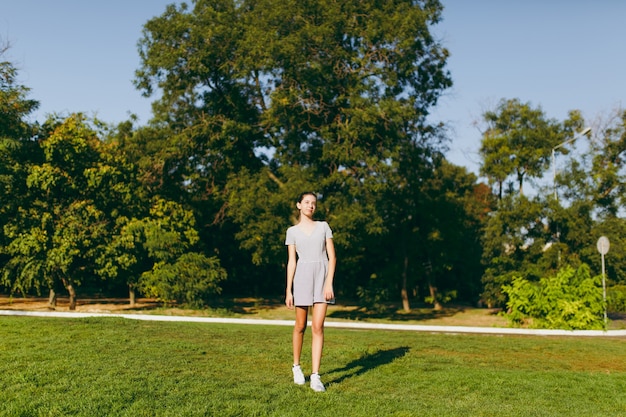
155, 254
260, 198
616, 299
375, 296
166, 238
451, 215
534, 237
591, 195
513, 243
614, 229
86, 217
441, 297
266, 99
600, 175
14, 104
571, 299
63, 224
518, 142
191, 280
16, 149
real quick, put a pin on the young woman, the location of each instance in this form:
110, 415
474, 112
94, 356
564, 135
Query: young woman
310, 274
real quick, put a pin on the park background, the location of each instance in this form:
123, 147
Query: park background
252, 105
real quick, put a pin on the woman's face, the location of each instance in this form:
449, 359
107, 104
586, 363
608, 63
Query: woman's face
307, 205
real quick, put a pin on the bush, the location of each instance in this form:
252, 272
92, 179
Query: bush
571, 300
374, 296
616, 299
191, 280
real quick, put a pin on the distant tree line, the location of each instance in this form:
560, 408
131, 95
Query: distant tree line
259, 101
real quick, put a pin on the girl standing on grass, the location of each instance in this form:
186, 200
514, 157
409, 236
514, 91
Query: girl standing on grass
310, 273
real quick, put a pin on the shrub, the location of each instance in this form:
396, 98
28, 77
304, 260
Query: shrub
374, 296
616, 299
571, 299
191, 280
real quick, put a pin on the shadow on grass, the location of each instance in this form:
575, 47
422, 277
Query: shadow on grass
418, 314
246, 305
366, 363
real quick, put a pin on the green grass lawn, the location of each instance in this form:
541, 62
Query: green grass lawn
119, 367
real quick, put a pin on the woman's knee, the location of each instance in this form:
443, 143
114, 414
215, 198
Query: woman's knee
301, 319
317, 329
299, 327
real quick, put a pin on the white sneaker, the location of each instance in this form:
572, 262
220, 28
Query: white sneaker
316, 383
298, 376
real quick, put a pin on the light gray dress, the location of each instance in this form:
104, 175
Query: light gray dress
312, 263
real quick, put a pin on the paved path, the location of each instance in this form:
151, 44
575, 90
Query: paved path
337, 324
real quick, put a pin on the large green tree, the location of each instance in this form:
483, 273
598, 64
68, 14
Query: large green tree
513, 241
264, 99
86, 220
17, 147
154, 253
536, 236
15, 105
522, 235
592, 194
518, 141
65, 222
453, 220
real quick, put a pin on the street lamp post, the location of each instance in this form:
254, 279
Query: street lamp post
581, 133
603, 248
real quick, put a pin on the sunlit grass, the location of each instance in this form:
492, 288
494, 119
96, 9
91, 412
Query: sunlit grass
118, 367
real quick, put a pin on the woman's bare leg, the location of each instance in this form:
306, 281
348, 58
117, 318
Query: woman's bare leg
298, 333
317, 329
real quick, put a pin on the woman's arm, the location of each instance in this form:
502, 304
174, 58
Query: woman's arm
291, 272
329, 293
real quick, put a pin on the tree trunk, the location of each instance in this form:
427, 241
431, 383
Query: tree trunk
72, 292
132, 295
433, 295
52, 299
405, 294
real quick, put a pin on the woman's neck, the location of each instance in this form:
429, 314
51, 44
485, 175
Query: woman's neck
306, 220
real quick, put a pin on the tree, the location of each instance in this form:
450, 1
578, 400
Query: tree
457, 214
154, 243
175, 274
86, 218
592, 193
294, 95
518, 142
14, 104
525, 236
599, 171
513, 240
64, 224
17, 149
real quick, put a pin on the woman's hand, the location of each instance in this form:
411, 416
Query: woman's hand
329, 294
289, 301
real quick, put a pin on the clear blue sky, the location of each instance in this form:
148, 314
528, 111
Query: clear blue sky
79, 55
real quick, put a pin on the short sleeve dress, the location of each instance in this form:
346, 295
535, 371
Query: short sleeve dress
312, 263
